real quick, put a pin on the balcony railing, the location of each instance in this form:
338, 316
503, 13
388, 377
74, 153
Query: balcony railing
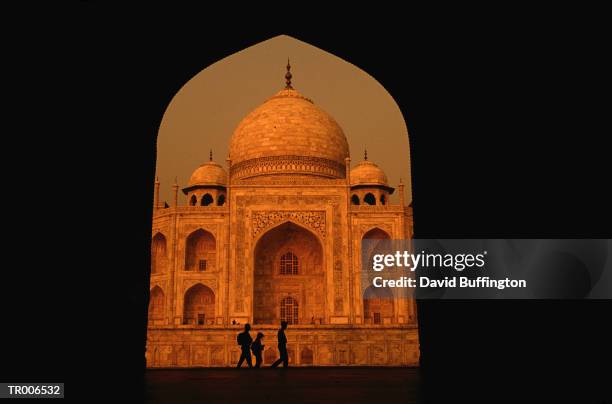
376, 208
192, 209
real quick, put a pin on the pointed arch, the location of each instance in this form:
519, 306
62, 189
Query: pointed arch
193, 201
199, 305
376, 100
378, 303
289, 222
159, 257
200, 251
207, 200
374, 247
376, 233
354, 200
293, 246
369, 199
378, 307
157, 305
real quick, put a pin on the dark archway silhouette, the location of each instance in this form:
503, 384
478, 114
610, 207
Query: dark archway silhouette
370, 199
354, 200
207, 199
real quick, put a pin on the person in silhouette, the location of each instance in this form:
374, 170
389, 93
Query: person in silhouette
282, 347
257, 347
244, 340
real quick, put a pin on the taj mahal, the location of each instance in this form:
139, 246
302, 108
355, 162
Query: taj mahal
274, 233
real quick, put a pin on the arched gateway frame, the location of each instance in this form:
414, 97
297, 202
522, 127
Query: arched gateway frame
273, 287
233, 282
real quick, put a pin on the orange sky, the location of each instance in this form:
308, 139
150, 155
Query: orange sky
207, 109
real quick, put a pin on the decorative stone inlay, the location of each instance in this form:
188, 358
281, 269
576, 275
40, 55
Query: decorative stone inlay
321, 346
263, 220
288, 165
299, 180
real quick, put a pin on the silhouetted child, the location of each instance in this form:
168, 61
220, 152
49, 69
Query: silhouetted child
244, 340
257, 347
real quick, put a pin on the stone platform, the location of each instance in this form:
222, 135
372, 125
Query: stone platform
308, 345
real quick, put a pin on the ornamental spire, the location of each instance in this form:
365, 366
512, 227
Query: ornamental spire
365, 154
288, 76
210, 155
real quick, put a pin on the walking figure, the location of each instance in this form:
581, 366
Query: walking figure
282, 347
257, 349
244, 340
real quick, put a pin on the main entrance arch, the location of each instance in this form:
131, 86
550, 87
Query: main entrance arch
289, 280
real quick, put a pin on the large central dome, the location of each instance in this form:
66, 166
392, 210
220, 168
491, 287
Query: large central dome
288, 134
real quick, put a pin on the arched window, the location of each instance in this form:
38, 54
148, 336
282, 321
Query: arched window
221, 200
355, 200
383, 200
289, 264
207, 200
289, 310
193, 201
370, 199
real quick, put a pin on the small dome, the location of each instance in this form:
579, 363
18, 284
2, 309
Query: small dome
368, 173
209, 173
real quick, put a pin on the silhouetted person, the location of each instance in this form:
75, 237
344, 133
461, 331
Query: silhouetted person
282, 346
244, 340
257, 349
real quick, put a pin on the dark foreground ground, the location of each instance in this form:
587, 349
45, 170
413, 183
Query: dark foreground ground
293, 385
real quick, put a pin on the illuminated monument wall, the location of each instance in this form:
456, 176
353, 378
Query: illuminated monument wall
277, 236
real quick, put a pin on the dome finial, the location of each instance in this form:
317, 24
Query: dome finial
288, 76
210, 156
365, 154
